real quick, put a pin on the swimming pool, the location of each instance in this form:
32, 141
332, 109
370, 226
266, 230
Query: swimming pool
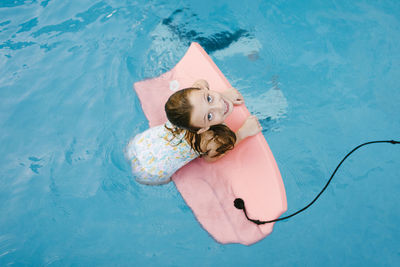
322, 78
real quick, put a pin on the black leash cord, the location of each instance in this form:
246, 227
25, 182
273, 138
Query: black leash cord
239, 203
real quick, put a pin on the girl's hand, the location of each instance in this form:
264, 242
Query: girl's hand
202, 84
234, 95
249, 128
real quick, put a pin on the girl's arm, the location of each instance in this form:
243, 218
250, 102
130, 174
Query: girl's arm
233, 95
249, 128
202, 84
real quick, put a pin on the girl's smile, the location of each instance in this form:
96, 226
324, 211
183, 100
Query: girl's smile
208, 108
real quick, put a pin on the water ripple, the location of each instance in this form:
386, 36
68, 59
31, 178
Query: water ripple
27, 26
73, 25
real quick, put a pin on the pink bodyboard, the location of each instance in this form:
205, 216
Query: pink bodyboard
249, 171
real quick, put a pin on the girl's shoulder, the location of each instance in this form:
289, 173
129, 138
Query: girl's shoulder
209, 145
207, 142
173, 131
207, 136
217, 141
154, 133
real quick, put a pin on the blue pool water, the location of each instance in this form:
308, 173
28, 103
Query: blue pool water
322, 77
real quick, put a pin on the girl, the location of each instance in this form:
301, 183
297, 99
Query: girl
194, 130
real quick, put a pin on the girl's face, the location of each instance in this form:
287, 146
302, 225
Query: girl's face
209, 108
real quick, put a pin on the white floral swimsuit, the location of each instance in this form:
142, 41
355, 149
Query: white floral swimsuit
155, 155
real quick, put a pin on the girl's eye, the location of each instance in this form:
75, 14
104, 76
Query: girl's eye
210, 116
209, 99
